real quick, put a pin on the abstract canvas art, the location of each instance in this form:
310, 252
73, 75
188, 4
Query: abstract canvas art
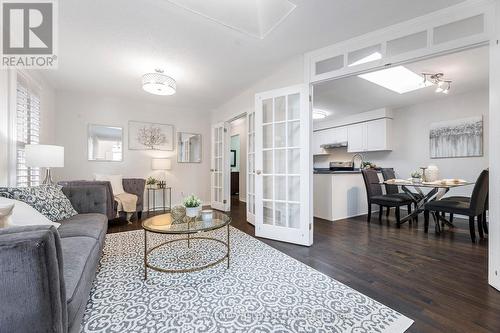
150, 136
457, 138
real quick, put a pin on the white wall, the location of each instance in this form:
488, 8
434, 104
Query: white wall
289, 73
76, 110
411, 139
239, 127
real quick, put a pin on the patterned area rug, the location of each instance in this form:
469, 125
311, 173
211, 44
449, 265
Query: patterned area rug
264, 290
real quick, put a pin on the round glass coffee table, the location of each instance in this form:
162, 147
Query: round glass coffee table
188, 228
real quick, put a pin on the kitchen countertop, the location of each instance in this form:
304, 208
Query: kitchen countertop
329, 172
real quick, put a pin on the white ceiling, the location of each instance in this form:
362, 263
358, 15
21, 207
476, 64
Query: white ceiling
469, 70
105, 46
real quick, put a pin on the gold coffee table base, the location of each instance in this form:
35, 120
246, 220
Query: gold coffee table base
147, 252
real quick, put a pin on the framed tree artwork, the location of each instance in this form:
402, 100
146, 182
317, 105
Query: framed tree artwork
150, 136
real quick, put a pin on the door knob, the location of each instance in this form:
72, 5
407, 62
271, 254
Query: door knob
258, 172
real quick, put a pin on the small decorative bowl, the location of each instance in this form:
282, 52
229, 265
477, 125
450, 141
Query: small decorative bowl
207, 215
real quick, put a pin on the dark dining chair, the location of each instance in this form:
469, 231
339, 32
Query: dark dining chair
483, 219
387, 174
473, 207
375, 196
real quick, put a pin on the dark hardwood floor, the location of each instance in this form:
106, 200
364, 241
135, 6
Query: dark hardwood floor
438, 281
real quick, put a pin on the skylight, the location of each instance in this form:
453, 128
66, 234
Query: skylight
398, 79
372, 57
256, 18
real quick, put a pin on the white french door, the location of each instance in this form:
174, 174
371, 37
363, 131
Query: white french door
220, 167
251, 167
283, 165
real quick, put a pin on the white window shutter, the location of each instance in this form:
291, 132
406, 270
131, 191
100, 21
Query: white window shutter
27, 131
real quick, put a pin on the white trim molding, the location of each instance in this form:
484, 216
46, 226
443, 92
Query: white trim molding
494, 137
483, 9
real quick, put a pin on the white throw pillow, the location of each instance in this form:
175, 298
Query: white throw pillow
5, 213
115, 180
24, 214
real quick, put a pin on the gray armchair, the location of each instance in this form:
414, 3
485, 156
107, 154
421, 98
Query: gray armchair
131, 185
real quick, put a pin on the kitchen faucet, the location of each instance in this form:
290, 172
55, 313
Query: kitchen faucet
359, 156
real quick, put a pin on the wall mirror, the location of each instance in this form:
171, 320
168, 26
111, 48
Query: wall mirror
105, 143
188, 147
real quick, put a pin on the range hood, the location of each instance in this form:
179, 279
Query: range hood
334, 145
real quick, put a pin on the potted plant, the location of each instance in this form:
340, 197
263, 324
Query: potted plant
151, 182
416, 177
368, 165
193, 205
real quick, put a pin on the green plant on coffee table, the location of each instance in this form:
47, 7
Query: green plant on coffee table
192, 201
151, 181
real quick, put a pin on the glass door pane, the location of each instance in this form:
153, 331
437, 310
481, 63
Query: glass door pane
251, 167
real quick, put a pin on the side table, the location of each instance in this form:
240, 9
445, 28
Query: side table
151, 192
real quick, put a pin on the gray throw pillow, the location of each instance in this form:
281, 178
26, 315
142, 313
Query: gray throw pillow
9, 192
5, 192
47, 199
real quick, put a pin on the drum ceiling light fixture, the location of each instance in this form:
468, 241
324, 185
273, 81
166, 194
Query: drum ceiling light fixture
158, 83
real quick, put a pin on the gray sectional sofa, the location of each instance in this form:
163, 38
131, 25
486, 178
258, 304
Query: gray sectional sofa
46, 273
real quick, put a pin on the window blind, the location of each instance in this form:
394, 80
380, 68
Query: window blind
27, 132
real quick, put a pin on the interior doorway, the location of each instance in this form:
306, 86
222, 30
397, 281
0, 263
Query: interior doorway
238, 159
431, 112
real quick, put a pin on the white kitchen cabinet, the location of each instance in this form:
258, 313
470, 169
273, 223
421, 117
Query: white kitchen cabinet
322, 196
341, 134
339, 196
356, 138
377, 134
369, 136
319, 138
328, 136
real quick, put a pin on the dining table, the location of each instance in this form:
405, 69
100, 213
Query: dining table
436, 191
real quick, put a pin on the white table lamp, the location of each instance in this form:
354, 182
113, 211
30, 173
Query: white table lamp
162, 164
45, 156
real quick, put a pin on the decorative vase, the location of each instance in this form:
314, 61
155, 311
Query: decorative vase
431, 173
416, 180
193, 211
178, 214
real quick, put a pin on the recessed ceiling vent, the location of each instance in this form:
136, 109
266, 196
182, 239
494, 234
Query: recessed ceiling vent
256, 18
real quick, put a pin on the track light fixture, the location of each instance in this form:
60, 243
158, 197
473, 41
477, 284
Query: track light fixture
443, 85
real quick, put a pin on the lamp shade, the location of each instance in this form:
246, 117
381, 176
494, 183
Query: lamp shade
45, 156
161, 164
